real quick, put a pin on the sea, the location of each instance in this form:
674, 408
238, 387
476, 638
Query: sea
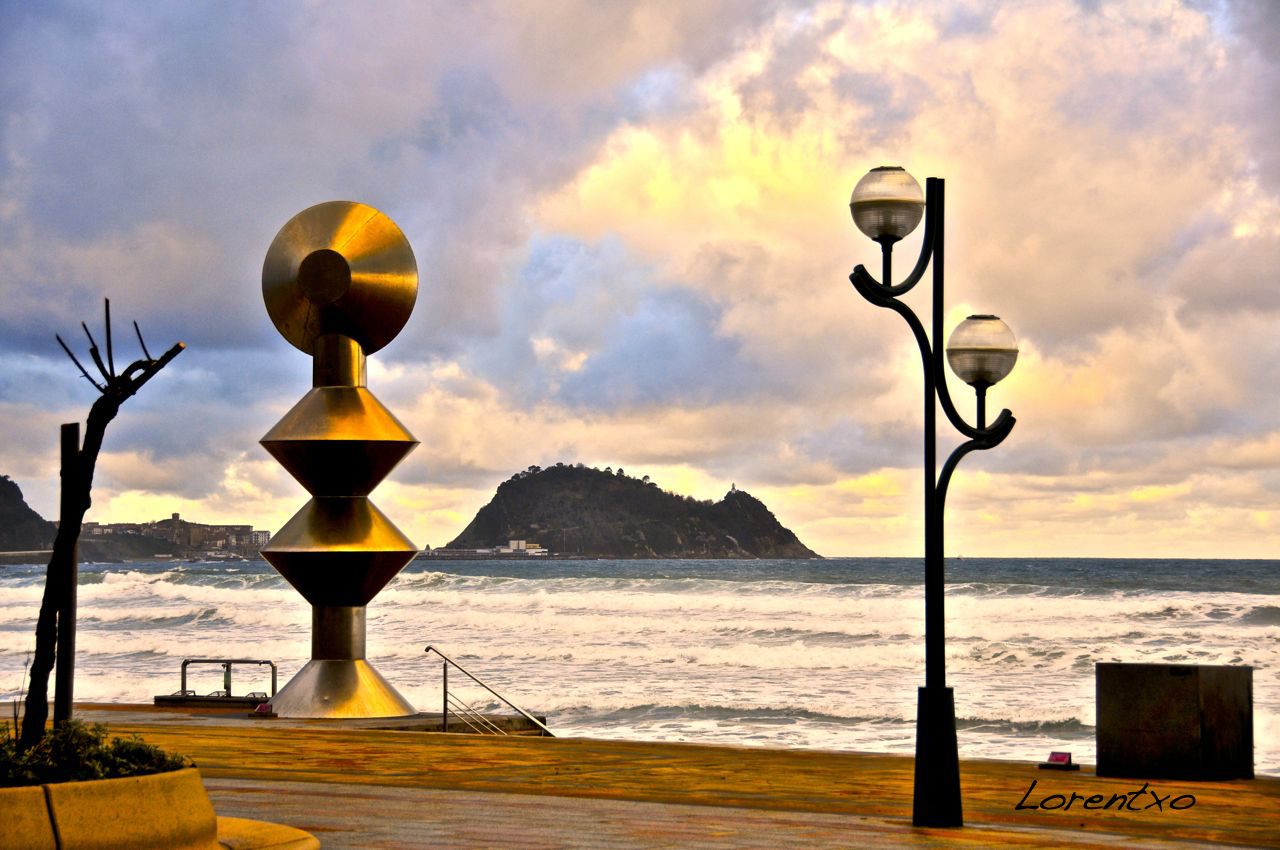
820, 654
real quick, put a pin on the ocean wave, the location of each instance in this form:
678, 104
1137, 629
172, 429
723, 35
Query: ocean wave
657, 712
681, 586
809, 637
701, 585
795, 656
21, 594
1262, 615
129, 618
646, 713
992, 589
1067, 727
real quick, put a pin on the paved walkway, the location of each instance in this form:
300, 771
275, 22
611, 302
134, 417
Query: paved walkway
375, 817
373, 788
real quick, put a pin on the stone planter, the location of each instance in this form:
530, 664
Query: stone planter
162, 810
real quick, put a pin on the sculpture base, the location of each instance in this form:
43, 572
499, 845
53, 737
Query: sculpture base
340, 687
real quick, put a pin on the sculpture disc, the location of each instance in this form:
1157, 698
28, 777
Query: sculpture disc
340, 267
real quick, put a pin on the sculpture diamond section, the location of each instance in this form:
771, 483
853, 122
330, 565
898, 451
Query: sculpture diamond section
339, 282
339, 441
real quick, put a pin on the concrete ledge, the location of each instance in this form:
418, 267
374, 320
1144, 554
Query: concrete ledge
162, 810
25, 818
142, 812
245, 834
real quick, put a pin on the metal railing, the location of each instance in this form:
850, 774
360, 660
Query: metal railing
226, 673
469, 716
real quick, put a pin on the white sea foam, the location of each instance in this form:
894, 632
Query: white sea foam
684, 657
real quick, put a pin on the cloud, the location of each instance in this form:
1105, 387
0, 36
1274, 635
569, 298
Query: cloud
631, 222
664, 351
1256, 26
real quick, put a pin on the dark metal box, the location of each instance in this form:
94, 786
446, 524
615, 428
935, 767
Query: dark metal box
1174, 721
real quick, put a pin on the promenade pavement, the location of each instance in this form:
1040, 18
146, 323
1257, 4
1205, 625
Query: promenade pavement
376, 788
364, 817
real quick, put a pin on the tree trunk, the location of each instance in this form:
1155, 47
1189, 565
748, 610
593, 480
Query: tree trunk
60, 562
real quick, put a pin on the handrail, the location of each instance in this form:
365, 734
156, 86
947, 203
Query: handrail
527, 716
463, 711
480, 718
474, 728
226, 670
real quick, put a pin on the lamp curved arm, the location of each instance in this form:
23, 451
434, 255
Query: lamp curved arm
1001, 426
886, 296
922, 262
881, 296
1004, 424
953, 415
903, 288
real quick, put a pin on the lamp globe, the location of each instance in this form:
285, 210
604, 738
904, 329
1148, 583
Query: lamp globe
887, 203
982, 350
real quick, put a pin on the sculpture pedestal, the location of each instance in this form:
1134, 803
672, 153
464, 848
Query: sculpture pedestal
338, 681
340, 688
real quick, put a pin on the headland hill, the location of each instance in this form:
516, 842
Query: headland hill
563, 511
571, 510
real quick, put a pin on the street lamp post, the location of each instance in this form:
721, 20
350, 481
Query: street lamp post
887, 205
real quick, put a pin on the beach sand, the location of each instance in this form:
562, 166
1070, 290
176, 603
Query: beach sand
378, 788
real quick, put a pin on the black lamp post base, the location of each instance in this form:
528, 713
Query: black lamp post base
937, 787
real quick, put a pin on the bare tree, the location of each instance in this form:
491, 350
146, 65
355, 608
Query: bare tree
77, 483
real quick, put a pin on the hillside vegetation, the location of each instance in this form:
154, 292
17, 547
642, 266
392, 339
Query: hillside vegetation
579, 510
21, 528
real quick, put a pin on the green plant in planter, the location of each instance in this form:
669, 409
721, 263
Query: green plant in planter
75, 751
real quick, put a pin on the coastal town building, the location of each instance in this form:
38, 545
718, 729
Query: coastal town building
521, 547
241, 540
517, 548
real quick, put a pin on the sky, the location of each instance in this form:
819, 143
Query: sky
632, 229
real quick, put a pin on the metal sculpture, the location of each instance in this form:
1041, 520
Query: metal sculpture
339, 282
886, 206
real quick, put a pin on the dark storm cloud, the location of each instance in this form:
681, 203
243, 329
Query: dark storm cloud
664, 351
777, 91
150, 154
1257, 24
185, 136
